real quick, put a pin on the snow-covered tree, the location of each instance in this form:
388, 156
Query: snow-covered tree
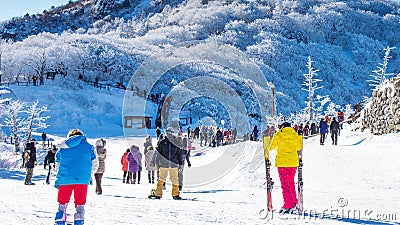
380, 75
311, 86
348, 111
35, 119
38, 62
331, 109
14, 121
321, 102
1, 56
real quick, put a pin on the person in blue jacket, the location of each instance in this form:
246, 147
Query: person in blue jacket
323, 129
77, 161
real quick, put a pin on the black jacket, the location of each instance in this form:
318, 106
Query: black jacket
30, 160
50, 158
167, 154
334, 127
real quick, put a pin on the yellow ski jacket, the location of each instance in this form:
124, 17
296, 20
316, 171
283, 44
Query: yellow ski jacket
287, 142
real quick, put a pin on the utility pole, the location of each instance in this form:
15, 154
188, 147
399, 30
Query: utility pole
273, 101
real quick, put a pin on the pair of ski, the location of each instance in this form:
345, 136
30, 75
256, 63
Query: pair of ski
270, 183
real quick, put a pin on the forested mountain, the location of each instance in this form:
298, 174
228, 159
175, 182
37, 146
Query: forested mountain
110, 39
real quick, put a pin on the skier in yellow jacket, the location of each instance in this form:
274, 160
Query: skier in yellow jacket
287, 143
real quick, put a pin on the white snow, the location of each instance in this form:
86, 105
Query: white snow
355, 182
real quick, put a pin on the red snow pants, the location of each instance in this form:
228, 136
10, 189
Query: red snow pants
65, 192
286, 175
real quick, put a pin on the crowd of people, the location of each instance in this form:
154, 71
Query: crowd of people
167, 157
326, 125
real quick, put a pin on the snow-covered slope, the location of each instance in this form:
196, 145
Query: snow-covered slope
354, 182
345, 39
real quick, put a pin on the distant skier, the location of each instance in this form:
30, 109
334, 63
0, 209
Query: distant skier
196, 133
167, 158
124, 163
147, 144
334, 128
158, 132
29, 161
340, 116
306, 130
185, 153
323, 129
101, 154
314, 129
287, 143
134, 164
234, 135
77, 162
44, 137
149, 167
49, 160
255, 133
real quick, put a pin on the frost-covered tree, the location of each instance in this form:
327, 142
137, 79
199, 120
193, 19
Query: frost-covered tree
35, 119
38, 62
321, 102
348, 111
311, 86
14, 121
380, 75
331, 109
1, 56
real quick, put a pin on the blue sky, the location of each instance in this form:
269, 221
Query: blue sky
12, 8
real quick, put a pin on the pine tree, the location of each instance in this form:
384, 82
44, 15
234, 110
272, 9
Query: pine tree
311, 86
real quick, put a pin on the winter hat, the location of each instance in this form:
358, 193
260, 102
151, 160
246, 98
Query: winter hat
170, 130
99, 143
74, 132
286, 124
134, 147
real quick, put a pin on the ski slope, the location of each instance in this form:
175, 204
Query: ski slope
351, 183
355, 182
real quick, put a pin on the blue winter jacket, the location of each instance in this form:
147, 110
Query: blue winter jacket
323, 127
75, 161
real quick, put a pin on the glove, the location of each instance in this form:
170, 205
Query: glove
189, 165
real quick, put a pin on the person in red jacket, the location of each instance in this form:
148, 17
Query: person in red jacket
124, 163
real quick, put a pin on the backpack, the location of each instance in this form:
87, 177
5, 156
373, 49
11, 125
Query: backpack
26, 156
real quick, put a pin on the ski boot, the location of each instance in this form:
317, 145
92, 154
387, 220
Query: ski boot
177, 197
154, 197
78, 222
60, 218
